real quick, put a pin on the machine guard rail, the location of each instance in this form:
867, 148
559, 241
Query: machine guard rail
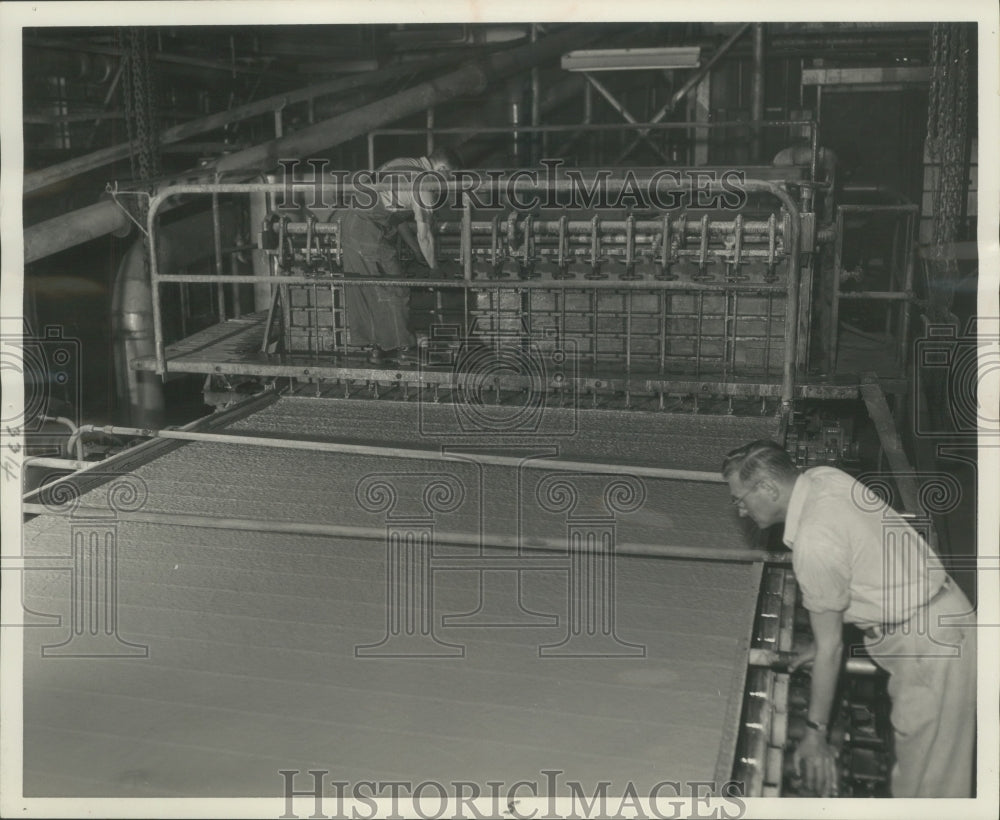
215, 189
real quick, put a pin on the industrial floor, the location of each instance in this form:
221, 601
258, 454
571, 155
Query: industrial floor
248, 649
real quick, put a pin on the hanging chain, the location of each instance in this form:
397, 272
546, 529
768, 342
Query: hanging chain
149, 134
139, 96
934, 93
947, 134
128, 95
947, 125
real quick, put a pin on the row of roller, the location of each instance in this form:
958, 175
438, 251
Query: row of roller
528, 246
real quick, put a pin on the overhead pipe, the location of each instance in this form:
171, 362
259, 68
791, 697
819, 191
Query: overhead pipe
331, 132
470, 79
62, 171
106, 217
75, 228
103, 218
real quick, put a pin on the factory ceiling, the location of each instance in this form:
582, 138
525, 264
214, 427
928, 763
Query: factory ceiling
76, 103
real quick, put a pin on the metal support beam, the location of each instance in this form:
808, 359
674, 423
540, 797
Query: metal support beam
757, 90
626, 114
702, 113
694, 81
892, 446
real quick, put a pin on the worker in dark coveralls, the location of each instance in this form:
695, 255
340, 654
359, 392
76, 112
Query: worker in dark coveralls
858, 561
378, 316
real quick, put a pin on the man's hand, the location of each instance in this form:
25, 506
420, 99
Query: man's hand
804, 656
816, 761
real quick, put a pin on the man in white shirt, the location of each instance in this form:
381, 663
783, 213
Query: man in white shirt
858, 561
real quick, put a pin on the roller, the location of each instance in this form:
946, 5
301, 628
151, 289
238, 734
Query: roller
554, 269
630, 272
507, 267
662, 270
772, 226
703, 274
483, 268
527, 268
595, 250
734, 272
563, 261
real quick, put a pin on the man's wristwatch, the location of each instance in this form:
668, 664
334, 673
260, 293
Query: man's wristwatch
819, 727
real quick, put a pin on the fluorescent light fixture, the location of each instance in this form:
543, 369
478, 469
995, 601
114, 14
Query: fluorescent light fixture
631, 59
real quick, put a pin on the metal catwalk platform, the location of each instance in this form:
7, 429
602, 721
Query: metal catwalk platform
229, 654
233, 347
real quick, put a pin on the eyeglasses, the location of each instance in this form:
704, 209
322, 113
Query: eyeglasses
737, 501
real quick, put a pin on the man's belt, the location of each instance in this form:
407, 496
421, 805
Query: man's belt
878, 630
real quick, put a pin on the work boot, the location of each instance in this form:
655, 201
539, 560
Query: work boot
403, 355
407, 355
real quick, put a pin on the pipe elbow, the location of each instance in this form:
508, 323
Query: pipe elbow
799, 155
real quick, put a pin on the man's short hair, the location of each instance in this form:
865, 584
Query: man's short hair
449, 156
759, 459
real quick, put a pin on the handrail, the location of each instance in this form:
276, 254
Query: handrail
319, 446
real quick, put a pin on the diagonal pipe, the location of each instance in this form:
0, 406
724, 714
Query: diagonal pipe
93, 221
470, 79
62, 171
